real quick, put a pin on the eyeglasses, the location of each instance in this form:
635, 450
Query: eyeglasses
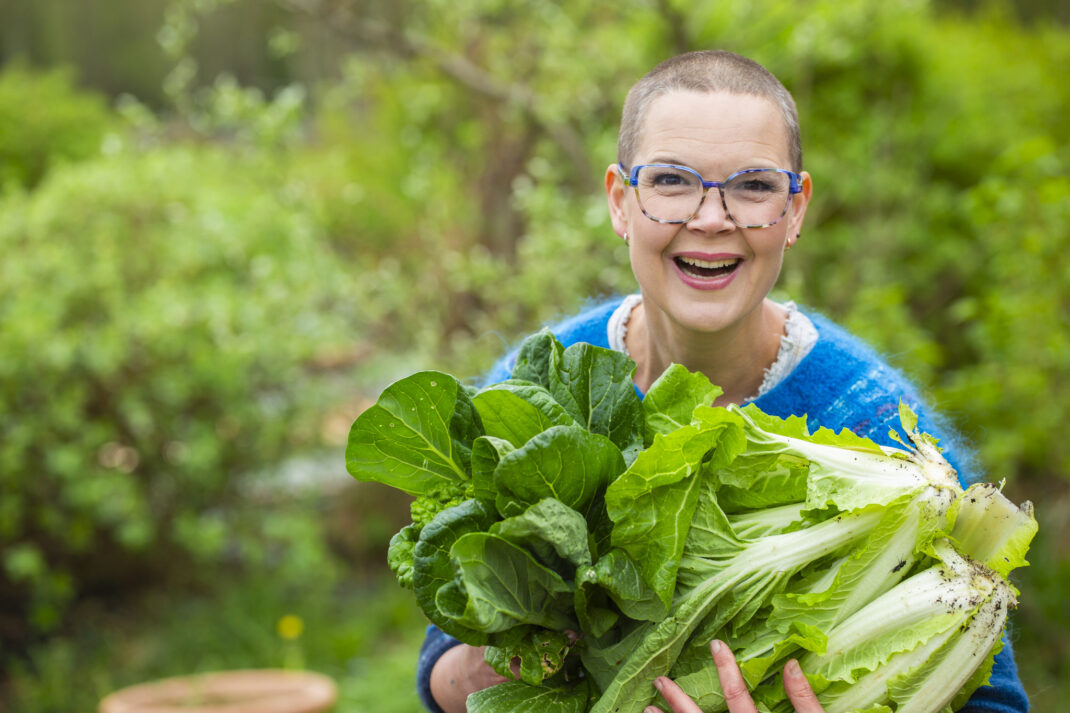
752, 198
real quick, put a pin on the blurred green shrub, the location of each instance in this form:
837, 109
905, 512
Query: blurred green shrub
941, 208
45, 120
170, 324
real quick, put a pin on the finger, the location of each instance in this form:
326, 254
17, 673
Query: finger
800, 693
736, 695
674, 696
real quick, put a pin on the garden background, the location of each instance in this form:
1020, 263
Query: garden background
226, 225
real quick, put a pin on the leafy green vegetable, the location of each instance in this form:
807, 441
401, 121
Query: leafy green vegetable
597, 541
567, 463
910, 644
595, 386
500, 585
549, 528
519, 411
535, 357
400, 554
673, 397
515, 697
417, 437
433, 567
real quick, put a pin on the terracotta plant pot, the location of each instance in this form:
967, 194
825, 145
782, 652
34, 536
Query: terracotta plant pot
255, 691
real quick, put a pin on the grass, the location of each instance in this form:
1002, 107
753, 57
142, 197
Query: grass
365, 634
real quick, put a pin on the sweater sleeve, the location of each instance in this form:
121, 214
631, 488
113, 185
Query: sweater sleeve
1004, 692
436, 643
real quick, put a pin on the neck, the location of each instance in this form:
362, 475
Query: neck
734, 358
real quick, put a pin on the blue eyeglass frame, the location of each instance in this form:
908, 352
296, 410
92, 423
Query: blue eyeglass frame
632, 179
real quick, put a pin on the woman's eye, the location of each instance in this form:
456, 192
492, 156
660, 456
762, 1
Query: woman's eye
756, 185
668, 179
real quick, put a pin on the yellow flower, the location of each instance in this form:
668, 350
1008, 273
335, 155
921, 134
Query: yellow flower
290, 626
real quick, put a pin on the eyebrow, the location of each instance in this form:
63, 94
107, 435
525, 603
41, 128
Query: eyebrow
671, 159
678, 162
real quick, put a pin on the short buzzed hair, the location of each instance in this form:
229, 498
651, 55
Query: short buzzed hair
706, 71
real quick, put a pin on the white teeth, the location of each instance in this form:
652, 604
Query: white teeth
709, 264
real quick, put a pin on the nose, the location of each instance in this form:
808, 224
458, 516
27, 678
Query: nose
711, 216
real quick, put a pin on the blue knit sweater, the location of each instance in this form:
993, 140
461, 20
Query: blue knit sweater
841, 383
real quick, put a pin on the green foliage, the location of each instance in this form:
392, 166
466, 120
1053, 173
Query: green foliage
162, 326
45, 120
353, 630
1018, 354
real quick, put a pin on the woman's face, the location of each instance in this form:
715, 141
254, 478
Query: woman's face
707, 275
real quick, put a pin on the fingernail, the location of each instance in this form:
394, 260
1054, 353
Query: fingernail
793, 669
658, 684
715, 646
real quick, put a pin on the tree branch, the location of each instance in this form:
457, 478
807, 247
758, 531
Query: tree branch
676, 23
453, 65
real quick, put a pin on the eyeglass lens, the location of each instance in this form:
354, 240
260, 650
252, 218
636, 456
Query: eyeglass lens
754, 198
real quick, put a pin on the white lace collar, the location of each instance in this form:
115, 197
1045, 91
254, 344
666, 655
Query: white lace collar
799, 338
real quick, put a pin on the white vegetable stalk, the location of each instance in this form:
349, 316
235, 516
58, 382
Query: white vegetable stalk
927, 677
846, 586
767, 521
758, 565
872, 689
897, 551
888, 556
783, 553
919, 643
913, 611
958, 661
991, 529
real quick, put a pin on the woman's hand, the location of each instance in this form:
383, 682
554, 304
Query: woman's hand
460, 671
735, 689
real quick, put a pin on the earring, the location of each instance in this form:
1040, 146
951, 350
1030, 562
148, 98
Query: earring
626, 238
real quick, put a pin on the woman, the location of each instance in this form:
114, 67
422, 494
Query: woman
709, 194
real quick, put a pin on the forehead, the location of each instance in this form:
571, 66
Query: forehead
714, 129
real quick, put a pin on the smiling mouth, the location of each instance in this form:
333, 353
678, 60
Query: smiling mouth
707, 269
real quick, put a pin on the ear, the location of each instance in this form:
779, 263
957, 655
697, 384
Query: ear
616, 197
799, 203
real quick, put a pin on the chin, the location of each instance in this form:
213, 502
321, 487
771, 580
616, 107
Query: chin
705, 318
